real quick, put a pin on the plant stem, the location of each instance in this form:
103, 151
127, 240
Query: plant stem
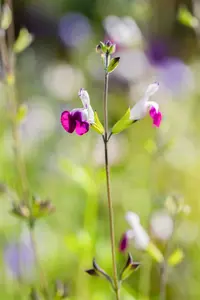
9, 70
163, 280
37, 261
110, 205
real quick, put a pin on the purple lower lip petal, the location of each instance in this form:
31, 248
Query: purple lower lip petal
156, 116
68, 121
152, 112
157, 119
82, 127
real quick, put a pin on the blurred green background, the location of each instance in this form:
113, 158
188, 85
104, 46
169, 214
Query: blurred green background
147, 164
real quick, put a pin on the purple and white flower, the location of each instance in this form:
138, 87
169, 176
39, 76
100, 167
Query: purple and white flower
144, 106
79, 119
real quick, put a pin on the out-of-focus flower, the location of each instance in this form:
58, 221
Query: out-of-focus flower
187, 232
19, 259
129, 58
161, 225
79, 119
137, 233
141, 108
33, 132
54, 79
123, 31
74, 29
175, 76
157, 51
172, 72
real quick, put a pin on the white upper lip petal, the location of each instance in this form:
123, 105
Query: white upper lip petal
84, 96
140, 109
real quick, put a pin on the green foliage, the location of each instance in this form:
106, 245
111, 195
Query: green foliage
123, 123
113, 64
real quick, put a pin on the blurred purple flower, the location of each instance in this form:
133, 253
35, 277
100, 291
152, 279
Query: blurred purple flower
171, 72
157, 51
73, 29
19, 259
175, 75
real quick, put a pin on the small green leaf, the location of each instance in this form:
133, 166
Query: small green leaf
176, 257
129, 268
103, 47
97, 126
155, 253
185, 17
123, 123
113, 64
22, 113
23, 41
100, 271
97, 271
112, 49
6, 17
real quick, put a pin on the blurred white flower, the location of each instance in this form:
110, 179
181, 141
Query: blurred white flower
39, 123
188, 232
136, 233
133, 65
176, 76
63, 81
123, 31
161, 225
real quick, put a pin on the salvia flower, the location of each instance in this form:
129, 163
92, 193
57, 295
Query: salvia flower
144, 106
79, 119
136, 233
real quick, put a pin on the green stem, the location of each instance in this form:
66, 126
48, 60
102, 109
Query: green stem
9, 69
107, 169
37, 261
163, 280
